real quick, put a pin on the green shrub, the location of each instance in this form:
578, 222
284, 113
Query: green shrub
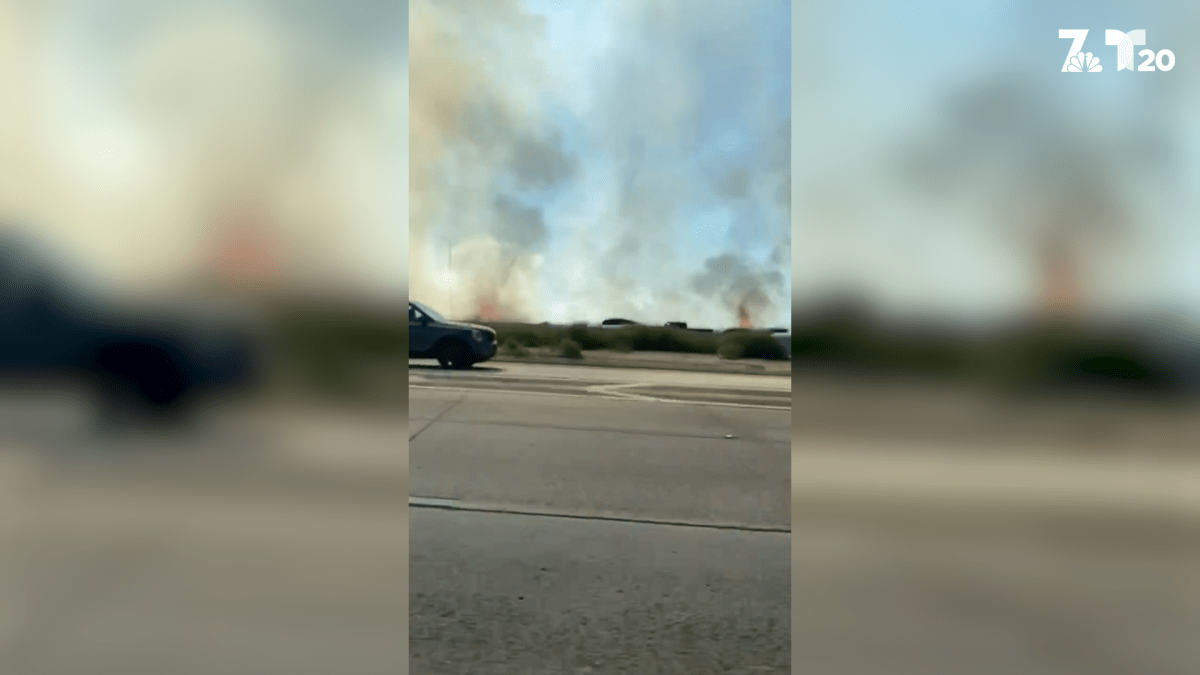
663, 339
570, 349
332, 349
627, 339
587, 338
512, 347
751, 346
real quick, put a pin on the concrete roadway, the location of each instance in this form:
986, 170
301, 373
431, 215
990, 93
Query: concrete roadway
267, 541
567, 521
906, 557
574, 532
910, 559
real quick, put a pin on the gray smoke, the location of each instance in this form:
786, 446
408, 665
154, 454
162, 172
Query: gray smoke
1013, 152
518, 224
164, 132
745, 288
476, 136
480, 138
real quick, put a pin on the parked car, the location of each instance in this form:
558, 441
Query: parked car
135, 358
454, 345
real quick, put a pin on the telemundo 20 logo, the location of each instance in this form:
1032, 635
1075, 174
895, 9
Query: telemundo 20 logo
1079, 61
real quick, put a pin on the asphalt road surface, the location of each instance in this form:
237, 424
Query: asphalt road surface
580, 520
263, 542
936, 559
576, 527
905, 557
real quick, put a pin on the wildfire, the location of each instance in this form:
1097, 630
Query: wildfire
244, 251
1060, 290
487, 311
743, 316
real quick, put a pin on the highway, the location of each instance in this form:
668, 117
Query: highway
923, 558
588, 520
563, 522
268, 540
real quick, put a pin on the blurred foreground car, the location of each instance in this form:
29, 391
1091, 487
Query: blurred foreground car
453, 344
132, 359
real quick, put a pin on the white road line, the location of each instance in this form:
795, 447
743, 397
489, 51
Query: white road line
433, 502
612, 390
610, 397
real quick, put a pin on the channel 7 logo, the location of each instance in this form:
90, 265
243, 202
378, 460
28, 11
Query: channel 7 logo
1079, 61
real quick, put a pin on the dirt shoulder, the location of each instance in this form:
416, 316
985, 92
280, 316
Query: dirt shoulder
708, 363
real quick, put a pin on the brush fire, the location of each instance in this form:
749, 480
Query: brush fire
743, 316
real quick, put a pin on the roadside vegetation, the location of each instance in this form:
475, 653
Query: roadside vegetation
736, 345
570, 349
334, 349
1025, 359
515, 349
750, 345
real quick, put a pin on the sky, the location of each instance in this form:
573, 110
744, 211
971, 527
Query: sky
154, 142
943, 148
581, 161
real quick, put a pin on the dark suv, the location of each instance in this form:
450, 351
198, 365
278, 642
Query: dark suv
155, 359
453, 344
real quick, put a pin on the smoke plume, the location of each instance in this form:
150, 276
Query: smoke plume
477, 138
547, 189
171, 145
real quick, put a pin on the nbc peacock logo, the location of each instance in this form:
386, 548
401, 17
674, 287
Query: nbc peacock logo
1079, 61
1084, 63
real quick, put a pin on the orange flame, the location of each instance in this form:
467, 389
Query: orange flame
1060, 288
487, 311
243, 250
743, 316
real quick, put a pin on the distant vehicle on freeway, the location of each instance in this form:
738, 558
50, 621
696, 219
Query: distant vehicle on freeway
617, 323
134, 358
455, 345
676, 324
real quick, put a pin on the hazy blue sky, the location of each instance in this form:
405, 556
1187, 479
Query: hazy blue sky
134, 131
673, 117
1019, 146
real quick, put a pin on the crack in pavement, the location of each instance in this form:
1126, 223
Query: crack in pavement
445, 504
434, 421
